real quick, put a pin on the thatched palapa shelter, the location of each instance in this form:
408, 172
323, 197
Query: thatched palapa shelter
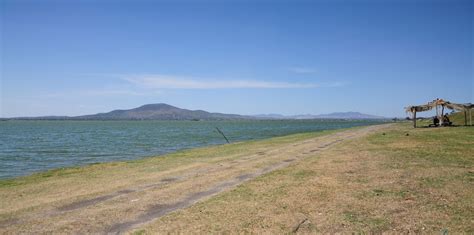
440, 105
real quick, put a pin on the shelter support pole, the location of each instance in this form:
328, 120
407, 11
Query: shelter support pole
470, 117
465, 117
441, 118
414, 119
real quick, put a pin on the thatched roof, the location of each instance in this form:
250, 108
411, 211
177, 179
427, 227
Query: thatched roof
460, 107
434, 103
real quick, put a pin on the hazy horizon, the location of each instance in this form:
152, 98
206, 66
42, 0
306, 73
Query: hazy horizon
256, 114
239, 57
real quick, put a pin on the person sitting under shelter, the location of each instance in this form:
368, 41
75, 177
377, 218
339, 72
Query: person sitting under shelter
446, 121
435, 122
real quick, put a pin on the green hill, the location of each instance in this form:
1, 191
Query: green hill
160, 112
148, 112
458, 118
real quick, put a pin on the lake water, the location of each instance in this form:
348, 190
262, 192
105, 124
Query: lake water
32, 146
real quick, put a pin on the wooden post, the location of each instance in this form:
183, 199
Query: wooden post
465, 117
441, 118
470, 117
414, 119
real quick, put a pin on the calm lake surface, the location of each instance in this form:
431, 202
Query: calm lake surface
32, 146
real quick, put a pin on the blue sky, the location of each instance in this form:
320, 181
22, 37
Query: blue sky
245, 57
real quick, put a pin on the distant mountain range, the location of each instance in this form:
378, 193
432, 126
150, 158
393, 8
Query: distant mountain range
168, 112
338, 115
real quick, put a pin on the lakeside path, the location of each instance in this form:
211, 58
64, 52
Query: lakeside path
122, 196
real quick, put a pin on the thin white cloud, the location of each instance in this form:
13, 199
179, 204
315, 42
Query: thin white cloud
174, 82
303, 70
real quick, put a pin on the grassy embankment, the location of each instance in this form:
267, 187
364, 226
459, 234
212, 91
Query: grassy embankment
456, 118
404, 179
162, 162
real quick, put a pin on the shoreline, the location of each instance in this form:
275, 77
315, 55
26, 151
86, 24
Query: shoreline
54, 169
224, 166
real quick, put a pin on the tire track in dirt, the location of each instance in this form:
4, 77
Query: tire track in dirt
159, 210
92, 201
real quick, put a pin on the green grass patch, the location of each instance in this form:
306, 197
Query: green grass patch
458, 118
365, 221
430, 147
303, 174
432, 182
139, 232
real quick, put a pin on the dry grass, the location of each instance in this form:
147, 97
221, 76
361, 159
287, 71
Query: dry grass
97, 197
422, 182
